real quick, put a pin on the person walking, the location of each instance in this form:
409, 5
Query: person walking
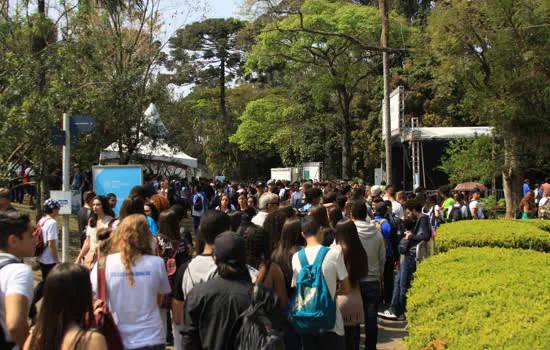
16, 278
134, 280
49, 257
68, 301
99, 220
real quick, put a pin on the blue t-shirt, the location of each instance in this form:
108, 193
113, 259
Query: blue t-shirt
385, 227
152, 225
77, 181
526, 189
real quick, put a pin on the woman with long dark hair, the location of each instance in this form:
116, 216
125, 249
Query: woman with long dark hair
290, 243
527, 206
258, 258
63, 321
274, 223
351, 305
225, 204
99, 220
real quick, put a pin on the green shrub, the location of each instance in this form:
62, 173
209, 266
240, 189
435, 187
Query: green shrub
481, 298
523, 234
542, 224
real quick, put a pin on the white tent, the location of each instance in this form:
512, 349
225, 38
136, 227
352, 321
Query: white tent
161, 153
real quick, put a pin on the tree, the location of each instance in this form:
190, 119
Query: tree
467, 160
332, 45
497, 53
204, 53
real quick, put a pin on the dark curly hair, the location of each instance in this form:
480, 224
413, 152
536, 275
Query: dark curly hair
257, 245
274, 224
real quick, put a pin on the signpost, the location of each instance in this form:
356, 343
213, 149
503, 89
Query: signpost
68, 138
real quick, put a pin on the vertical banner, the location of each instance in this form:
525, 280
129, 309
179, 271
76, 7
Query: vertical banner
117, 179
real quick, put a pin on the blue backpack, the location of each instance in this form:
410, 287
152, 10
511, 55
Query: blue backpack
314, 309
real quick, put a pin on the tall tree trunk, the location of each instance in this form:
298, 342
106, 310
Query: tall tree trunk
511, 177
222, 89
345, 104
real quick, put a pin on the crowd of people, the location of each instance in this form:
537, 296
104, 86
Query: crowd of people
317, 258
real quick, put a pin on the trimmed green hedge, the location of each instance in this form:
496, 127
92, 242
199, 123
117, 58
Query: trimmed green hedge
481, 298
523, 234
542, 224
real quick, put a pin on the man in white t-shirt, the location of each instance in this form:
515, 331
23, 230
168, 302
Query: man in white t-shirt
203, 267
334, 270
396, 207
268, 203
16, 279
49, 257
475, 208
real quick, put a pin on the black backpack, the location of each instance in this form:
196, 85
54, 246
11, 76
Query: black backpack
3, 343
395, 225
256, 330
455, 214
197, 206
286, 195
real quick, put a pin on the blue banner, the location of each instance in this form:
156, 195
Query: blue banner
118, 180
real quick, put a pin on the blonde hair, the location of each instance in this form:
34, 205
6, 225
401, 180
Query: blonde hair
132, 239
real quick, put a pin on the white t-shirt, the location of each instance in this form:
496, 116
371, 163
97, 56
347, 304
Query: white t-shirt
92, 231
135, 309
397, 209
14, 279
201, 269
259, 218
334, 270
479, 212
50, 232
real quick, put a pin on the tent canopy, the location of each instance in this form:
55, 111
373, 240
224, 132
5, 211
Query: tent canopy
162, 153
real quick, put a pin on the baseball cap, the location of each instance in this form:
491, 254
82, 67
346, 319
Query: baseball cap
52, 204
229, 249
375, 190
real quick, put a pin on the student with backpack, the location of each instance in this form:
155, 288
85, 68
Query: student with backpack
45, 235
199, 203
317, 272
16, 278
216, 312
458, 211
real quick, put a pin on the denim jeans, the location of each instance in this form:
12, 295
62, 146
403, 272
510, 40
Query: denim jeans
38, 290
401, 286
370, 293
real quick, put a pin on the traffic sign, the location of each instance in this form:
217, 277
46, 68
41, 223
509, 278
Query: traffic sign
74, 138
82, 123
58, 137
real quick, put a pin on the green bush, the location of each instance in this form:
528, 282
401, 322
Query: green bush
542, 224
523, 234
481, 298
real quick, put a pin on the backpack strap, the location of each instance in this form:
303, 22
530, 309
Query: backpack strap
9, 261
101, 279
321, 256
303, 258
